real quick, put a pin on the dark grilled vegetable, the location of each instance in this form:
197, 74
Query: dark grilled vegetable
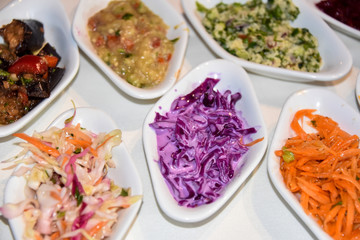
49, 50
23, 36
28, 69
55, 75
6, 57
41, 88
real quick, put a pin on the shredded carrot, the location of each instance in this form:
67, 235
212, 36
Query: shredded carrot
350, 215
330, 216
63, 225
97, 228
55, 235
36, 142
304, 201
66, 157
38, 236
295, 124
325, 172
103, 143
79, 142
36, 154
339, 223
65, 160
55, 195
80, 139
93, 151
254, 142
99, 180
76, 133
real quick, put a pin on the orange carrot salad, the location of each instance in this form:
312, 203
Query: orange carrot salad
323, 170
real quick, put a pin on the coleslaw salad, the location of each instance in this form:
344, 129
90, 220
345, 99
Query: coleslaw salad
68, 192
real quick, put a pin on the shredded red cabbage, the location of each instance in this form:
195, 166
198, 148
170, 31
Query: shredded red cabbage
200, 144
346, 11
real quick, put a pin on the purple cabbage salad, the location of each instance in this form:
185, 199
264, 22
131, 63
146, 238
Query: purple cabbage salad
200, 144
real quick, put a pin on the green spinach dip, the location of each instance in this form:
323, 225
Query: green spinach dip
261, 33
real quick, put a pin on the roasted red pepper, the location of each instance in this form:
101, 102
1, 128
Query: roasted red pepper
51, 61
29, 64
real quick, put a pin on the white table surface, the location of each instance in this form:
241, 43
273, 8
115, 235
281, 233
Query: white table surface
255, 212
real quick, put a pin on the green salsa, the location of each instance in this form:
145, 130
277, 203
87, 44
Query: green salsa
261, 33
131, 39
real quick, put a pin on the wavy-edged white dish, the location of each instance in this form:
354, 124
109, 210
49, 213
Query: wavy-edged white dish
177, 29
357, 88
336, 24
124, 174
336, 63
231, 77
328, 104
58, 33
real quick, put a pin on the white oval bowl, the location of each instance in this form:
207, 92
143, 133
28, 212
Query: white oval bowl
58, 33
124, 174
357, 88
336, 24
327, 104
336, 63
232, 77
177, 29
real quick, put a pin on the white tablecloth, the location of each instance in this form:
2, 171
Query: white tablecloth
255, 212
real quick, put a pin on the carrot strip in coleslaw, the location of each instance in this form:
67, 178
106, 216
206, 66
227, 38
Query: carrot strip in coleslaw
37, 143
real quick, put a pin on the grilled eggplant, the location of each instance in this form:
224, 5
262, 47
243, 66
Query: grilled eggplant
28, 69
23, 36
6, 57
